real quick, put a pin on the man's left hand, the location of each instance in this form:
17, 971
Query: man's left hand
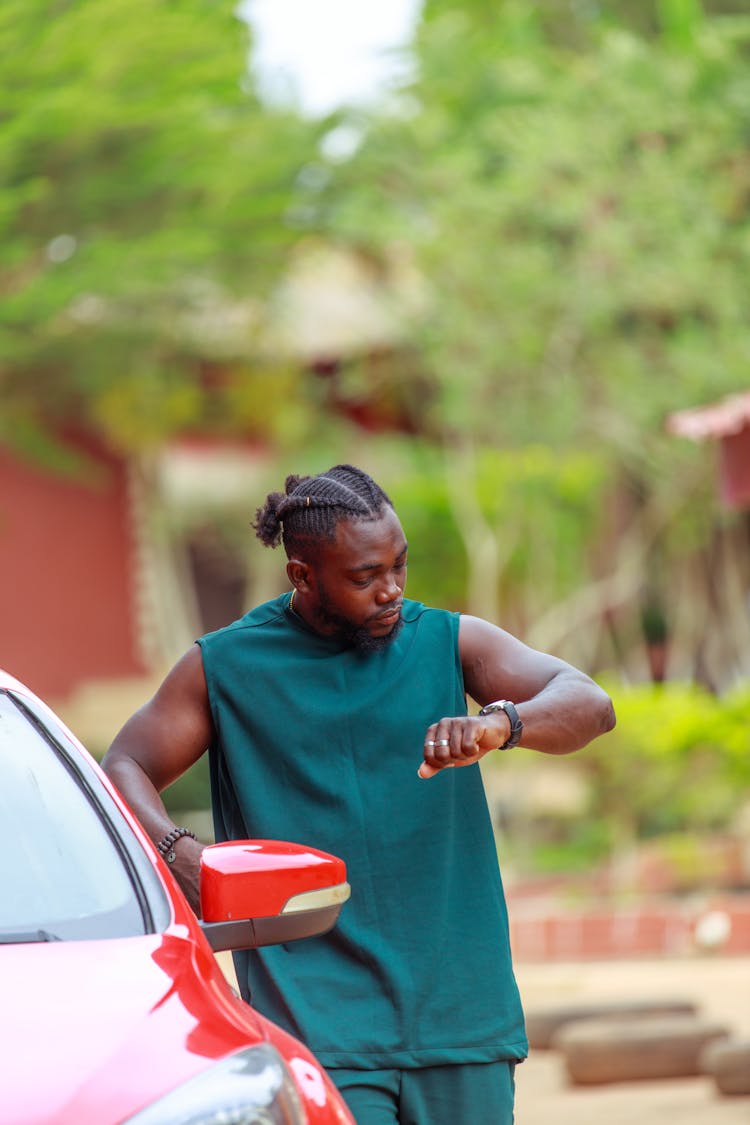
462, 740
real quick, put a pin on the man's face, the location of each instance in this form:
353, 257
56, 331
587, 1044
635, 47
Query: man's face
358, 581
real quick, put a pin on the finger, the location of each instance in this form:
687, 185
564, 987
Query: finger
463, 743
437, 750
469, 739
426, 771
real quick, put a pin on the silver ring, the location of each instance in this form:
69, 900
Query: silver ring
442, 742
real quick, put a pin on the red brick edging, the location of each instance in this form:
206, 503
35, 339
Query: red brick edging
721, 927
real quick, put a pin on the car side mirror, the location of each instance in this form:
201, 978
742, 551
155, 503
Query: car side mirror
263, 892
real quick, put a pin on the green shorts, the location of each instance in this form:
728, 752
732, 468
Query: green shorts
464, 1094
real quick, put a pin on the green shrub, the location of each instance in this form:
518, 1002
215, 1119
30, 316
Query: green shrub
678, 759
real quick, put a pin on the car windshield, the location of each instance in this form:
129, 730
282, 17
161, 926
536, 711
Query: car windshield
62, 875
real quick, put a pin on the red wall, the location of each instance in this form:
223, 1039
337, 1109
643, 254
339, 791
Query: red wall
734, 468
66, 573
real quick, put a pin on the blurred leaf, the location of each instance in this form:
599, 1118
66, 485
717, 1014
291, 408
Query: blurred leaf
145, 195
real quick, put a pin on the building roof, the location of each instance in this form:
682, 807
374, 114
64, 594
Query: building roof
720, 419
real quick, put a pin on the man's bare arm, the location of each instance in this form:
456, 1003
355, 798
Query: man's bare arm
155, 747
561, 708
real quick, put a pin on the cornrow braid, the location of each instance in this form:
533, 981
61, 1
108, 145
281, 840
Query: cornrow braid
310, 508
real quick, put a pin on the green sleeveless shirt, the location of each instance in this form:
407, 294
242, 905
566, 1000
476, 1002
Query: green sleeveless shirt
319, 744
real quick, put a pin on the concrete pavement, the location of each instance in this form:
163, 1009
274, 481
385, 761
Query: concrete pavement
718, 986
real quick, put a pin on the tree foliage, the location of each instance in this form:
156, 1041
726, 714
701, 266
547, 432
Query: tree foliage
144, 214
566, 212
580, 220
678, 758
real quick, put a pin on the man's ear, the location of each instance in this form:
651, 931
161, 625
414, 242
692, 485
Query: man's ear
299, 574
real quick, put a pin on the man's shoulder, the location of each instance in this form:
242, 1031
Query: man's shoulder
413, 612
267, 613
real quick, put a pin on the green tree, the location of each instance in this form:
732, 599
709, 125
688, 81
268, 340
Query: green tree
145, 211
579, 220
580, 22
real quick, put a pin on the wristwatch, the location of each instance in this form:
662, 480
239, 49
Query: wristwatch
516, 726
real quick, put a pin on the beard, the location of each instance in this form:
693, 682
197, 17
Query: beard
358, 636
365, 643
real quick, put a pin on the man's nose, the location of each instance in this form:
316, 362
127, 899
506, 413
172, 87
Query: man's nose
390, 591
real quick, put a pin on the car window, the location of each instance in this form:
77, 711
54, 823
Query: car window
62, 875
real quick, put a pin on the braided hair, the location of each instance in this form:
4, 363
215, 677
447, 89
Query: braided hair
310, 508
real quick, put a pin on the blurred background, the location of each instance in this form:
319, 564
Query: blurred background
497, 254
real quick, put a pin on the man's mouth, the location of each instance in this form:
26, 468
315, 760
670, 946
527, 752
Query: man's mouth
389, 616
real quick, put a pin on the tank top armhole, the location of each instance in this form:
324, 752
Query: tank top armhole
456, 625
203, 645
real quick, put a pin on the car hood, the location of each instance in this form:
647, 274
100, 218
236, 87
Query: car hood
95, 1031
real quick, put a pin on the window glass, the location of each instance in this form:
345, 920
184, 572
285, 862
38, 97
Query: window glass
61, 874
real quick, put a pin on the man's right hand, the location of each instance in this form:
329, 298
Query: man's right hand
186, 870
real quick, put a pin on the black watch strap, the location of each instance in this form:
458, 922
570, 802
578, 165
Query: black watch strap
516, 726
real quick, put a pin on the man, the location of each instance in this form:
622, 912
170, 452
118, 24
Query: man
332, 716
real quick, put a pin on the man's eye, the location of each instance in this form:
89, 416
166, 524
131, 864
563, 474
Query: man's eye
362, 581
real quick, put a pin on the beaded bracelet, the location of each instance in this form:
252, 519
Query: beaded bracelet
165, 847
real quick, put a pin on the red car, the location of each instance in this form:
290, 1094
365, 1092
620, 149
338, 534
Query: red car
115, 1008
